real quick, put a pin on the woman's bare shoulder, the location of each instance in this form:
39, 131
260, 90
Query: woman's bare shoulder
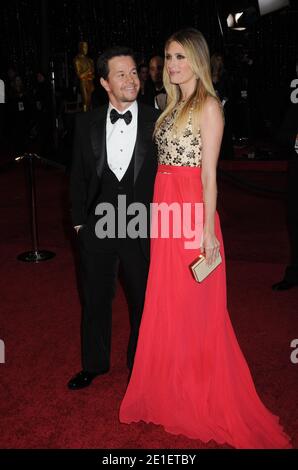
211, 106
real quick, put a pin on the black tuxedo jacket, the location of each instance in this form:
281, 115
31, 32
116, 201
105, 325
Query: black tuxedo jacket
89, 156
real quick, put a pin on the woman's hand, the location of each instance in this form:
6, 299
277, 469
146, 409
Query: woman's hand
210, 247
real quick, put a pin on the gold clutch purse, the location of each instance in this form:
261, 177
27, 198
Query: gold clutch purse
199, 268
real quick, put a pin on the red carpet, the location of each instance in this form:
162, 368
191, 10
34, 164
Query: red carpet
40, 321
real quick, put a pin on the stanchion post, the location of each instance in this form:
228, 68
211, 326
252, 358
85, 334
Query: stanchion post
36, 255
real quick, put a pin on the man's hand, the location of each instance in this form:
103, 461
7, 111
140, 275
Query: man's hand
78, 227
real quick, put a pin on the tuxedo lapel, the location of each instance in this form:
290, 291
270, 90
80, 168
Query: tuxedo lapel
98, 139
143, 134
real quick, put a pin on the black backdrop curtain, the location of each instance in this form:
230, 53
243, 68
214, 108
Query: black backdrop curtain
142, 24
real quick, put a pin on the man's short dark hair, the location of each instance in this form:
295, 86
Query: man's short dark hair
108, 54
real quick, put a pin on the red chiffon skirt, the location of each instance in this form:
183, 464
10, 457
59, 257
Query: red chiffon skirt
189, 374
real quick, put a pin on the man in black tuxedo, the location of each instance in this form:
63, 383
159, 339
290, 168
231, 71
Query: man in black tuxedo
288, 138
114, 155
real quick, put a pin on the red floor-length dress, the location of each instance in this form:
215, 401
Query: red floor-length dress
190, 375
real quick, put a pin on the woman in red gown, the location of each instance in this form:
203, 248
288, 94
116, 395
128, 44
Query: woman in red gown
189, 373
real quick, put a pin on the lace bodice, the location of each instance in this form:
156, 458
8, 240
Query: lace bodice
182, 150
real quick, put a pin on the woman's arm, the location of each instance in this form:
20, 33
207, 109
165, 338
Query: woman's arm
211, 125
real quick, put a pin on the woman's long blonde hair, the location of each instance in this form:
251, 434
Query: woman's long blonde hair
197, 52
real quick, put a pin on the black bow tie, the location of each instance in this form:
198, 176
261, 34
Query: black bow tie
114, 116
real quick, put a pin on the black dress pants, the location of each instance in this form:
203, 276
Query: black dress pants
291, 274
99, 274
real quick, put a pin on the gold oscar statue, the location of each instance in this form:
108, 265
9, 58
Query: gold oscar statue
84, 67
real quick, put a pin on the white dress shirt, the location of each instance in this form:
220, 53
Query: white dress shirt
121, 140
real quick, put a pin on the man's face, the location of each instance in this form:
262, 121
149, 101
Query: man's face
143, 74
122, 84
155, 69
219, 60
18, 81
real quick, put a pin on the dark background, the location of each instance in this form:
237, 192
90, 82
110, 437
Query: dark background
44, 35
33, 32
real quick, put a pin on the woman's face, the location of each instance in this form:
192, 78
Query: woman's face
178, 66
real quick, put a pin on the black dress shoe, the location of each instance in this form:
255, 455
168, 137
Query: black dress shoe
83, 379
284, 285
